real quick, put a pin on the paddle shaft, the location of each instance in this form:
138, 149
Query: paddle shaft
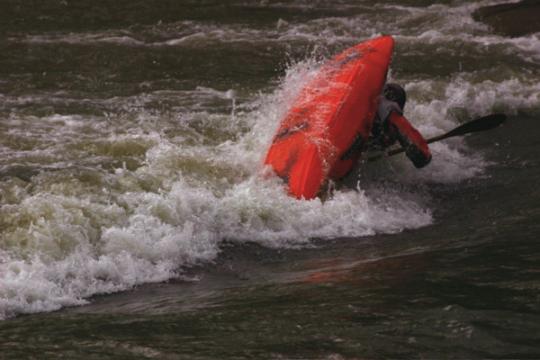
481, 124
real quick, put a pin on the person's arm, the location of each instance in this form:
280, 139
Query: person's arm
416, 147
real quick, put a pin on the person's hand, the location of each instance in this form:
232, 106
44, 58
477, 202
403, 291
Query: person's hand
417, 157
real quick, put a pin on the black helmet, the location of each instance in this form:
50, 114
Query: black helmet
396, 93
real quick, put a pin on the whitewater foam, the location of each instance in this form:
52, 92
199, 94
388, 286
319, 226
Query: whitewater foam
167, 214
197, 177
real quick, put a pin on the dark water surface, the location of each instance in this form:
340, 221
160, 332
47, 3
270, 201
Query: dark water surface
131, 140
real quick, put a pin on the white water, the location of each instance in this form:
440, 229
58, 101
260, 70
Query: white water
64, 239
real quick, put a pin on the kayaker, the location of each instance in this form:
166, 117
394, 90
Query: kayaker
390, 126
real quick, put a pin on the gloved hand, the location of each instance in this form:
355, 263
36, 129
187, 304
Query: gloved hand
418, 158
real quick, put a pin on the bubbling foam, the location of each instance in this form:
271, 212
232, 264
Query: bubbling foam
199, 179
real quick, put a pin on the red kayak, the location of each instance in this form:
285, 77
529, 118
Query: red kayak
331, 112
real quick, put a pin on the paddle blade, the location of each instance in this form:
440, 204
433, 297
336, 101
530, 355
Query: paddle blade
481, 124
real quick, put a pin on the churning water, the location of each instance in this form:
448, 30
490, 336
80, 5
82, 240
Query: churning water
132, 134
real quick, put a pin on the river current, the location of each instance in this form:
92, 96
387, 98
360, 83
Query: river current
132, 135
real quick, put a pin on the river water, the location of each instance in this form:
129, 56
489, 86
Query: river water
134, 201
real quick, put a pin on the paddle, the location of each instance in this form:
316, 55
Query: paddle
481, 124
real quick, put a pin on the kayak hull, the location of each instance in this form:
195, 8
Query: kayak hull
331, 112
